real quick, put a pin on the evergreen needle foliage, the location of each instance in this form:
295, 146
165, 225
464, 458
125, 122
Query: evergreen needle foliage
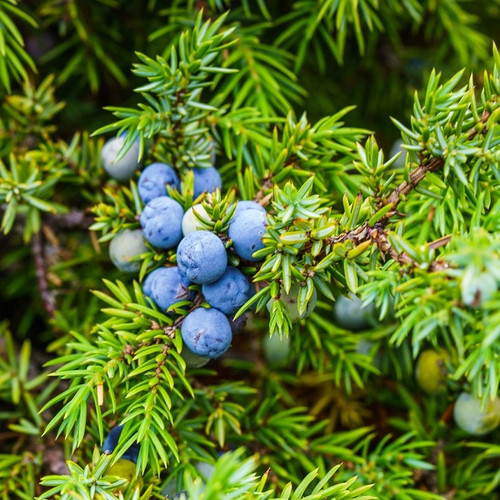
370, 259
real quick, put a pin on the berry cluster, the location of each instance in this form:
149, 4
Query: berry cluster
201, 255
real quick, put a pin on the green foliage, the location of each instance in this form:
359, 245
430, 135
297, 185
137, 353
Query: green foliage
21, 395
15, 63
173, 108
88, 48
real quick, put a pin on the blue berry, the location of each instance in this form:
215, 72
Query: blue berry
396, 148
206, 180
148, 283
112, 440
182, 495
478, 288
161, 221
154, 179
237, 324
229, 292
202, 257
125, 246
124, 168
365, 347
243, 205
167, 286
206, 332
206, 470
246, 231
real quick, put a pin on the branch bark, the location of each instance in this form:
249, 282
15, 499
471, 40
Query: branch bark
48, 300
72, 221
415, 178
378, 235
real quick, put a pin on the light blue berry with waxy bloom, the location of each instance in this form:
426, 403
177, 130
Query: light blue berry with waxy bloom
202, 257
206, 470
243, 205
182, 495
167, 286
229, 292
190, 222
478, 288
206, 180
161, 222
246, 231
396, 148
154, 179
206, 332
474, 419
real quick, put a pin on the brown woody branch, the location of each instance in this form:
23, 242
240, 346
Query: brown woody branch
415, 178
75, 220
72, 221
48, 300
381, 239
378, 235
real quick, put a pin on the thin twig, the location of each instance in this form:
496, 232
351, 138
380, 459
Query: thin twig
415, 178
440, 242
74, 220
378, 235
48, 301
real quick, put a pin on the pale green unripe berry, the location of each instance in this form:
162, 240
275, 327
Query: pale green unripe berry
430, 371
193, 360
276, 348
124, 168
471, 418
395, 149
477, 289
350, 314
290, 301
124, 469
124, 246
190, 223
364, 347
